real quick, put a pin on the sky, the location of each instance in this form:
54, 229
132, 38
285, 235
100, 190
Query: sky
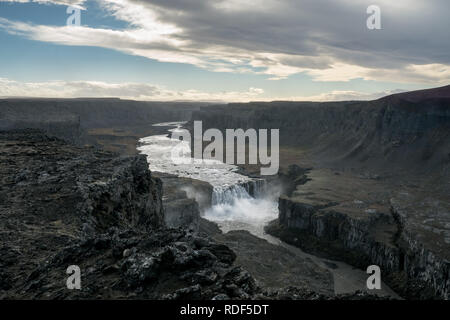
222, 50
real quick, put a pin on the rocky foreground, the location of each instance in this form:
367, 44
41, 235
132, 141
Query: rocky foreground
63, 205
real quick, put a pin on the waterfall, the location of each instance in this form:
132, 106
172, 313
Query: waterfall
228, 194
242, 206
256, 188
238, 202
247, 190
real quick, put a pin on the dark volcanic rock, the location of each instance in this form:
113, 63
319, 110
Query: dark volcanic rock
275, 267
184, 199
345, 222
292, 177
46, 177
162, 264
304, 293
54, 193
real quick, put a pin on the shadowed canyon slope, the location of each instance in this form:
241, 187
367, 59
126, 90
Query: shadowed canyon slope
73, 119
406, 131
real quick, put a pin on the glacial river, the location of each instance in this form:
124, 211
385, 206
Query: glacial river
233, 208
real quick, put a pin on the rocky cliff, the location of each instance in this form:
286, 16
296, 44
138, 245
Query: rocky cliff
419, 260
404, 131
346, 222
69, 119
66, 126
84, 191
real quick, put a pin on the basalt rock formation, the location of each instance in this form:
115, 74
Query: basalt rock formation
410, 267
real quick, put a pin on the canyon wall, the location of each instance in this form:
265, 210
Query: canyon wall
401, 131
65, 126
382, 239
70, 118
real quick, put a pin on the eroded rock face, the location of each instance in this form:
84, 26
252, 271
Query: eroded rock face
347, 222
130, 197
353, 237
63, 205
184, 199
87, 186
419, 260
53, 194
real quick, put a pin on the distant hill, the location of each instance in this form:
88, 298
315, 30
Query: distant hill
421, 95
68, 118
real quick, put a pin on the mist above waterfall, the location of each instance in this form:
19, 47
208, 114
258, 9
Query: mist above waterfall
244, 210
234, 209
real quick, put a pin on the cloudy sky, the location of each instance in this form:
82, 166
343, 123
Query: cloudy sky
228, 50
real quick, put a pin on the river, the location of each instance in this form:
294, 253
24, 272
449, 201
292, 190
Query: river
233, 208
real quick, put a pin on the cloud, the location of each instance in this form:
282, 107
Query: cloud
152, 92
327, 40
77, 3
337, 95
135, 91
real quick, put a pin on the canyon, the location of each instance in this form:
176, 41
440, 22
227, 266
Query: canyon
360, 183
